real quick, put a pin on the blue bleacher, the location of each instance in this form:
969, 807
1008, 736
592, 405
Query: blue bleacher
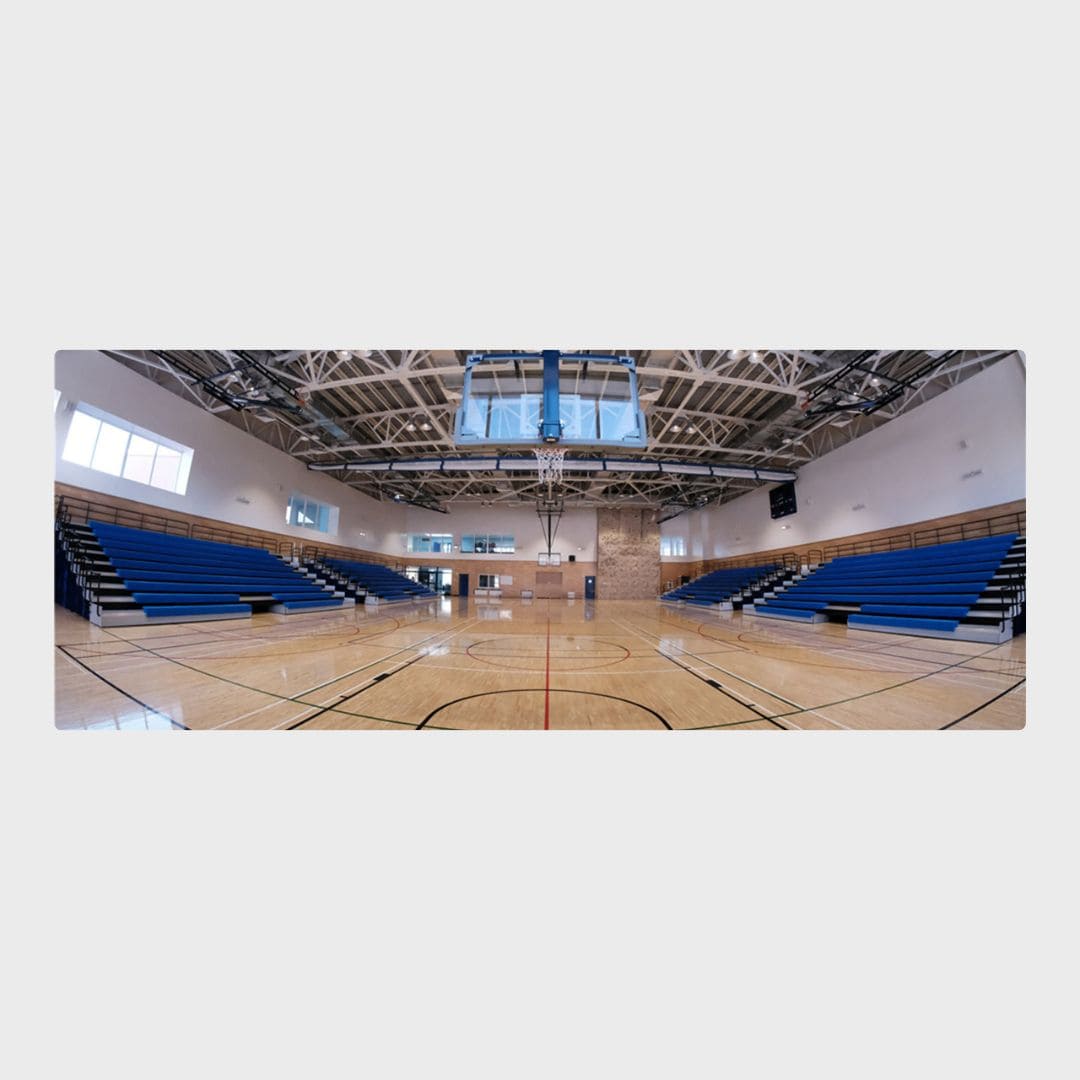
380, 581
175, 576
720, 585
930, 588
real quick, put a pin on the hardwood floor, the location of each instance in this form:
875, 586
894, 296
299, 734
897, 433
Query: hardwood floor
527, 665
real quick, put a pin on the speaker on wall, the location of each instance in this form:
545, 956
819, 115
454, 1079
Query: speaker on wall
573, 558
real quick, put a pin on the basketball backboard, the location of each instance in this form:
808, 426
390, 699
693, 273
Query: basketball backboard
573, 399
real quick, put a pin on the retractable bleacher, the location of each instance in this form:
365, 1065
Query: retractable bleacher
725, 588
379, 583
971, 590
137, 576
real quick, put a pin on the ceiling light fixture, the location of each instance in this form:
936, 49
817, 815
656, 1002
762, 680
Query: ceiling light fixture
737, 354
410, 426
344, 354
755, 357
425, 426
691, 429
676, 428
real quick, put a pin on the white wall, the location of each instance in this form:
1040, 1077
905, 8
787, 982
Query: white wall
228, 464
576, 535
908, 470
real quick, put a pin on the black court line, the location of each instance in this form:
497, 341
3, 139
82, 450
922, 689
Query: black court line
714, 684
243, 686
733, 723
884, 689
537, 690
832, 643
381, 677
870, 693
716, 667
269, 693
130, 697
968, 715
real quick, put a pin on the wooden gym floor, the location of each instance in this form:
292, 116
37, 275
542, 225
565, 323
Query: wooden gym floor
527, 665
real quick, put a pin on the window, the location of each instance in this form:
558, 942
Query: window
110, 445
488, 581
436, 543
673, 546
309, 514
484, 545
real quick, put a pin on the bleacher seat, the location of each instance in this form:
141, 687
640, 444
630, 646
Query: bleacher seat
931, 589
380, 581
720, 585
178, 577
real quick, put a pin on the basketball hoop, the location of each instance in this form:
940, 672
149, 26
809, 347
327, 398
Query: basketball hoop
549, 463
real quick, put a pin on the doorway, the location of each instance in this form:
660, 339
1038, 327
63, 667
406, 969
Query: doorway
436, 578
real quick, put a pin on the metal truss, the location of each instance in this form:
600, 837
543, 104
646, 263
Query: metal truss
766, 409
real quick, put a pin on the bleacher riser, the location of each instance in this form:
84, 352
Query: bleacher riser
953, 590
129, 577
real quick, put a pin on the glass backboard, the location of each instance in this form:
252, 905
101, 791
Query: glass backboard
574, 399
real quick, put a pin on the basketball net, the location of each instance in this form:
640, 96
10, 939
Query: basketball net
549, 464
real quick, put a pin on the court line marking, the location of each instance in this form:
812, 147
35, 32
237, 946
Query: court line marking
130, 697
547, 673
717, 667
732, 694
536, 690
278, 697
792, 635
844, 701
244, 686
795, 641
968, 715
378, 678
886, 689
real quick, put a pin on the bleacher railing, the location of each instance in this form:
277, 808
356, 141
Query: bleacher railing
322, 552
82, 511
898, 540
1000, 525
80, 560
786, 560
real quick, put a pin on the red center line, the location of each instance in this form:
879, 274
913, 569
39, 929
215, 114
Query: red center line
547, 672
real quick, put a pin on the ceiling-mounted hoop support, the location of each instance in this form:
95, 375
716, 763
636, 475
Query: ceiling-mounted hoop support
550, 512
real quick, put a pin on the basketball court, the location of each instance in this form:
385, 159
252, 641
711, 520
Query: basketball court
556, 541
